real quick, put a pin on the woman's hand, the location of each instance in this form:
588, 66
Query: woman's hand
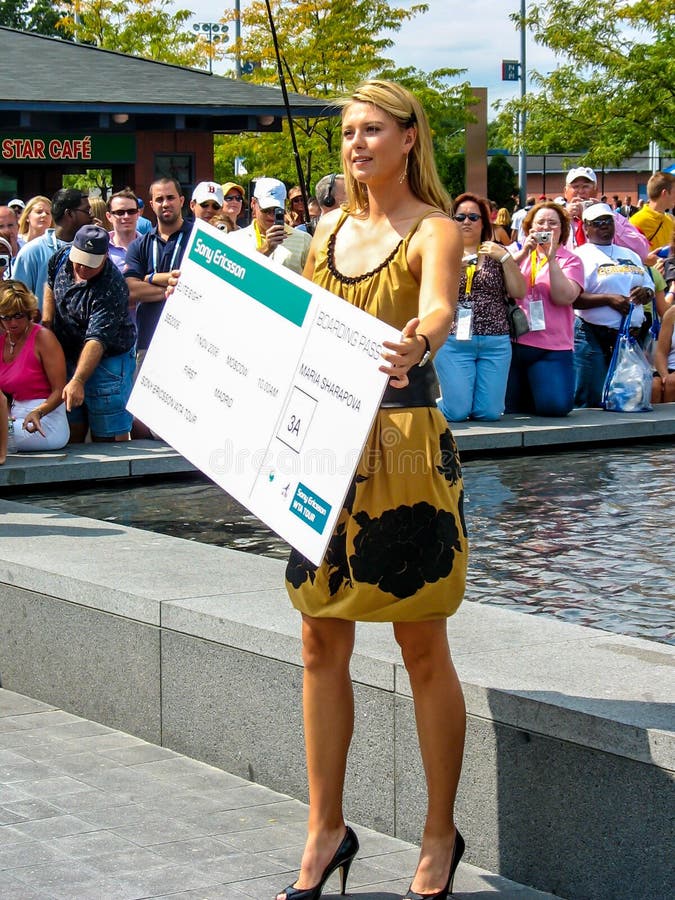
31, 423
493, 250
404, 355
552, 247
529, 244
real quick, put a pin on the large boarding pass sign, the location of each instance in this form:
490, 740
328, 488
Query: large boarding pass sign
267, 383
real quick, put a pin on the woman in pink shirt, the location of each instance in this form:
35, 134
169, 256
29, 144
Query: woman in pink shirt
32, 374
541, 378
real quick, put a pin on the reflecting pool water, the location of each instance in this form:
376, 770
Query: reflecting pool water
586, 537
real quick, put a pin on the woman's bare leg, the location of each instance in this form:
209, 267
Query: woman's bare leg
328, 707
441, 721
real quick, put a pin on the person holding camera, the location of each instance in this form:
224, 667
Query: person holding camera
473, 363
268, 232
541, 378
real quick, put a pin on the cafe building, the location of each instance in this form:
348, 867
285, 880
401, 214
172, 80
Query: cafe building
67, 108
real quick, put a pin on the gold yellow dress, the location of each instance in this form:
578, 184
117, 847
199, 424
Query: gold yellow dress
399, 550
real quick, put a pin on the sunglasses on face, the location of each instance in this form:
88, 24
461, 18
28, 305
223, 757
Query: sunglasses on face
209, 205
118, 213
472, 217
16, 316
232, 198
600, 223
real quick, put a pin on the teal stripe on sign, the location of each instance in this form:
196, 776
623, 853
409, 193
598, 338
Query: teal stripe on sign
283, 298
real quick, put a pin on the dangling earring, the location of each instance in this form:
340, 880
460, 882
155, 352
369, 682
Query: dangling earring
404, 173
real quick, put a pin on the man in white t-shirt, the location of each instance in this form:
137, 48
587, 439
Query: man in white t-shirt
614, 277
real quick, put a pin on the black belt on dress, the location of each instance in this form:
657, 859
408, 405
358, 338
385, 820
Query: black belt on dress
421, 390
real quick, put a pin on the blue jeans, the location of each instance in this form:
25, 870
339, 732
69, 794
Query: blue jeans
106, 395
591, 362
473, 376
541, 382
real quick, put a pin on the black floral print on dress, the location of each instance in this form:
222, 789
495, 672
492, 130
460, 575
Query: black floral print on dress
299, 569
450, 466
405, 548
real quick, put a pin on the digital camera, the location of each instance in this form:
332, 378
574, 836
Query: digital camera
542, 237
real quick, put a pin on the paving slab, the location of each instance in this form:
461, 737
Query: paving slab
194, 832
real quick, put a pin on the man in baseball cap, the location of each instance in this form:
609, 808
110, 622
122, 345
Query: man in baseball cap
92, 323
580, 191
207, 200
90, 248
270, 193
285, 245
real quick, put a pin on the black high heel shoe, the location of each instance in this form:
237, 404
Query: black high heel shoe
342, 860
457, 853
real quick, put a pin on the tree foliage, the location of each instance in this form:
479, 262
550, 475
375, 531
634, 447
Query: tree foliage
327, 47
41, 16
502, 181
92, 178
615, 90
149, 28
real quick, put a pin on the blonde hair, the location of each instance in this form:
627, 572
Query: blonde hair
407, 112
503, 217
30, 206
99, 209
15, 297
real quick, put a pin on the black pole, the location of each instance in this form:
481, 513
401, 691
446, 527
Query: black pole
282, 82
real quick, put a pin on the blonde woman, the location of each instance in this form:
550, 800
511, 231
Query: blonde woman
35, 219
502, 226
99, 209
394, 252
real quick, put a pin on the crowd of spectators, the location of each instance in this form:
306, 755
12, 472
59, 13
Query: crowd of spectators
85, 282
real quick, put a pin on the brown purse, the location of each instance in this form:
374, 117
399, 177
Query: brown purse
663, 392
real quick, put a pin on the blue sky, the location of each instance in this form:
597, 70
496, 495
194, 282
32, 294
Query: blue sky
465, 34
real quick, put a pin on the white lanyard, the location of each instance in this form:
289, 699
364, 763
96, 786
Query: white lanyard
155, 252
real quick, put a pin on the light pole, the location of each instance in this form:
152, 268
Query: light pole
237, 37
216, 33
522, 160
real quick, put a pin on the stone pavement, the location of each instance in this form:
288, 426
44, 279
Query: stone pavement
90, 813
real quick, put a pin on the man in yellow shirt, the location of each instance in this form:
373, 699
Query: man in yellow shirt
652, 219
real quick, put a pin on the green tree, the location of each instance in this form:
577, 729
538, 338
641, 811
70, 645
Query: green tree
92, 178
502, 181
453, 173
327, 48
13, 13
149, 28
616, 89
41, 16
